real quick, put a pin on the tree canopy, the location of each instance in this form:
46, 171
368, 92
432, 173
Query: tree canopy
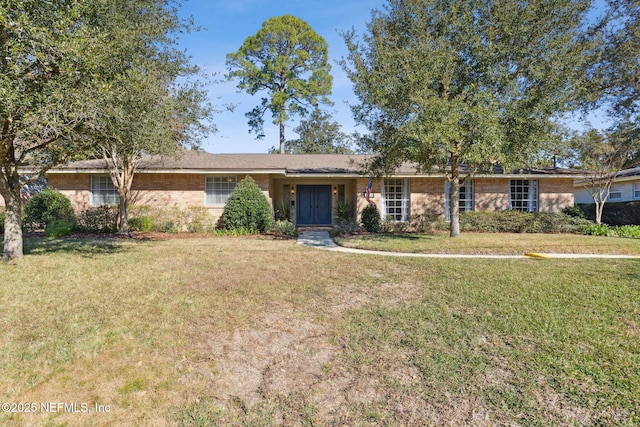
318, 134
465, 82
288, 61
63, 64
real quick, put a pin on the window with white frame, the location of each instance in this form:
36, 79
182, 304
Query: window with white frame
217, 189
615, 193
636, 190
395, 199
466, 198
523, 195
102, 191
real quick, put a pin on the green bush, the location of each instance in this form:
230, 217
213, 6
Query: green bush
575, 211
521, 222
47, 206
142, 223
598, 230
100, 219
59, 228
616, 213
284, 228
172, 220
345, 211
247, 208
370, 219
628, 231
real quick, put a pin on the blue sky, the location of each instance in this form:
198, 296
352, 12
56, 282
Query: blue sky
227, 23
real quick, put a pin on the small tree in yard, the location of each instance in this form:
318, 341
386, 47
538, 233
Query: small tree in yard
247, 208
603, 156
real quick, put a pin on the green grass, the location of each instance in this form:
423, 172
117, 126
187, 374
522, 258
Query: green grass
253, 331
492, 243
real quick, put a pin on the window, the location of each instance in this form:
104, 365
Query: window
217, 189
103, 192
523, 195
615, 193
636, 190
395, 199
466, 198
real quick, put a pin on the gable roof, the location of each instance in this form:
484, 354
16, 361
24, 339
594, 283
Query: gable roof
191, 161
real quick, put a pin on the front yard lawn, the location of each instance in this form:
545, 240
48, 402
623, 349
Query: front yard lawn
253, 331
492, 243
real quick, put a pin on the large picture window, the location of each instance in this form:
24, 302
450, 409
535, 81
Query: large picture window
395, 199
523, 195
103, 192
466, 198
217, 189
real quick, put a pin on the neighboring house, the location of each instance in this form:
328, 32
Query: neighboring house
312, 185
624, 188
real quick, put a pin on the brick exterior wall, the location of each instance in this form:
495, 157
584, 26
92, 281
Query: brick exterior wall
426, 194
148, 189
490, 194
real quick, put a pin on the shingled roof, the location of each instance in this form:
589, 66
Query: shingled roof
190, 161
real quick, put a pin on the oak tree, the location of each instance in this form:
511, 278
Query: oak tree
465, 82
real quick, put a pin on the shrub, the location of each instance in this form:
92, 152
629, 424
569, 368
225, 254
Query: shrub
598, 230
616, 213
142, 223
47, 206
284, 228
247, 208
370, 219
521, 222
575, 211
100, 219
345, 211
171, 220
1, 220
58, 228
628, 231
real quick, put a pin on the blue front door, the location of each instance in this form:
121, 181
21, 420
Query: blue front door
314, 205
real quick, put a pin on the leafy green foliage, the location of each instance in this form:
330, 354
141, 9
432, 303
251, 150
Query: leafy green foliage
284, 228
59, 228
598, 230
287, 60
575, 211
464, 82
319, 135
628, 231
522, 222
370, 219
47, 206
99, 219
616, 213
142, 223
345, 211
247, 208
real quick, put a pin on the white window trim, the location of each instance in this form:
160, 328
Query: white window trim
615, 192
406, 202
210, 196
110, 196
636, 190
469, 203
532, 200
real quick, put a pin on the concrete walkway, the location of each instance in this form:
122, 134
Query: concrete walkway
322, 240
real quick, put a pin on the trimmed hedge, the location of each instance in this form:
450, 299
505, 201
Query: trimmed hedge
522, 222
194, 219
370, 219
247, 208
99, 219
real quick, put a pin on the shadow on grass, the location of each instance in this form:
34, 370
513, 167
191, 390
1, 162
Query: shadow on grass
74, 245
393, 236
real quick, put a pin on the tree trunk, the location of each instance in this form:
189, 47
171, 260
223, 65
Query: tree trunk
599, 210
282, 133
123, 216
12, 226
454, 199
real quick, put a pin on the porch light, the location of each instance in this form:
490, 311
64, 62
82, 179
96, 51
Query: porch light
293, 190
335, 190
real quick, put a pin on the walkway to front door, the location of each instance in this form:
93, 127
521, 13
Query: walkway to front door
314, 205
